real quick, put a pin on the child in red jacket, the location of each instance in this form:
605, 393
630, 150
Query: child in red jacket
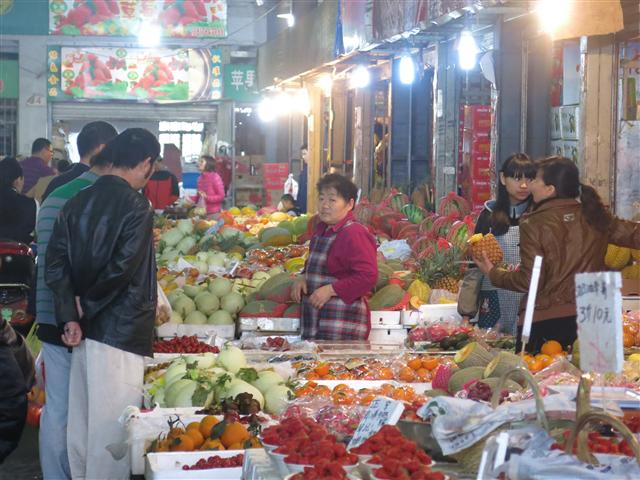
210, 186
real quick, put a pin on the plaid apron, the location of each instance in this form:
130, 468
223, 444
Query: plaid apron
499, 306
336, 320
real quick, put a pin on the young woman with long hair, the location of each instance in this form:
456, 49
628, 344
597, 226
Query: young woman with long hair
498, 308
570, 228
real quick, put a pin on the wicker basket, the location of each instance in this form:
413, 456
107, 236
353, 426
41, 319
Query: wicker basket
470, 457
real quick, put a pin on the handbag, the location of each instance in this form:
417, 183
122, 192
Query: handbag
468, 297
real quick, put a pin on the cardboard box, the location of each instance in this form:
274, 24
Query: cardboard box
478, 118
480, 145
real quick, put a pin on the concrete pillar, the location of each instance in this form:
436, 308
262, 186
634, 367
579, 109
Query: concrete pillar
33, 116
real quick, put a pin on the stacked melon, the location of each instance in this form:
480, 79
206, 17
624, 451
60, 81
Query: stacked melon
273, 299
477, 364
624, 259
214, 303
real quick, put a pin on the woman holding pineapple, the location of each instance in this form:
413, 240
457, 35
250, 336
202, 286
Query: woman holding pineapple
569, 228
498, 308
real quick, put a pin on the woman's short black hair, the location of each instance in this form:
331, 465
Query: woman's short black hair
345, 187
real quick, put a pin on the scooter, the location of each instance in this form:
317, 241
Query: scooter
17, 274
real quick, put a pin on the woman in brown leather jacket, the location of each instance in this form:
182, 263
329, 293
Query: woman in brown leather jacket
570, 228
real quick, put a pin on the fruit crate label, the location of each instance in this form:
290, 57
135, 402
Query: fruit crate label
599, 309
382, 411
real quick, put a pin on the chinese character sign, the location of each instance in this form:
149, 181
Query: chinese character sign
177, 18
241, 83
599, 309
148, 75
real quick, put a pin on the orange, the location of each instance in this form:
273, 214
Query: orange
550, 347
535, 365
322, 369
387, 389
415, 363
312, 376
182, 443
406, 374
423, 375
346, 376
234, 433
365, 398
195, 425
212, 444
236, 446
206, 424
430, 363
341, 387
330, 377
546, 360
175, 433
385, 373
342, 397
322, 391
196, 436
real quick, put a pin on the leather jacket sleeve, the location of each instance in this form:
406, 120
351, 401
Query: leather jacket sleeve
518, 280
624, 233
133, 243
58, 273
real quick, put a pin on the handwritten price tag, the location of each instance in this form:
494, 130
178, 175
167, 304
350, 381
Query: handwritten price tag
599, 309
382, 411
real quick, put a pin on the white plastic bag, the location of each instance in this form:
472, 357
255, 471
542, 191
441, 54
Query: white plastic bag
395, 250
291, 187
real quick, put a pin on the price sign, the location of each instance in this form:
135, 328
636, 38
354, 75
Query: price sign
382, 411
599, 309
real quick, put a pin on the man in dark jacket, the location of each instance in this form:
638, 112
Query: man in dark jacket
16, 379
101, 268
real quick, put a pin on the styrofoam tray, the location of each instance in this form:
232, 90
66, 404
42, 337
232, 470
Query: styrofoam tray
384, 318
439, 312
168, 466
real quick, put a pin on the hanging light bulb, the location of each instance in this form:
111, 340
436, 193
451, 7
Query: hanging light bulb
552, 14
467, 51
149, 35
266, 110
360, 77
407, 70
325, 82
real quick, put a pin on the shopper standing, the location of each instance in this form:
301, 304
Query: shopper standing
17, 211
303, 180
38, 164
498, 308
54, 458
91, 140
570, 229
210, 185
162, 189
101, 268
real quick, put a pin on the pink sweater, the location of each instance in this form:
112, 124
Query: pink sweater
211, 184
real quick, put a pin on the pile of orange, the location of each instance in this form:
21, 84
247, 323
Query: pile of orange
549, 353
342, 394
418, 369
630, 334
203, 435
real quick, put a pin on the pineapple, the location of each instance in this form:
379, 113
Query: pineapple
479, 243
440, 269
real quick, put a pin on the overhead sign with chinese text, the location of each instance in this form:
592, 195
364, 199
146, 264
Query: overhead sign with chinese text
241, 83
9, 78
123, 18
148, 75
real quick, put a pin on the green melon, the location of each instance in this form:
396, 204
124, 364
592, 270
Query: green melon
503, 362
463, 376
386, 297
276, 237
260, 307
277, 288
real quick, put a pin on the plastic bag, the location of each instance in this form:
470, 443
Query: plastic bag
163, 308
395, 250
291, 187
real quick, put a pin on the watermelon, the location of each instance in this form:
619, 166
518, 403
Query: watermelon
398, 200
461, 231
453, 204
414, 213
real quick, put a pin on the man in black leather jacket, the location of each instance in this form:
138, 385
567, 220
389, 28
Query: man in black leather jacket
101, 268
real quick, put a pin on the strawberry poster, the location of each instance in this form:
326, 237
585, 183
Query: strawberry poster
123, 18
147, 75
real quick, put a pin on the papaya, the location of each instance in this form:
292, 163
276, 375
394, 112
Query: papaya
277, 288
293, 311
261, 308
386, 297
276, 237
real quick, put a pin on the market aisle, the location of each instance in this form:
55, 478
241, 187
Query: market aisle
23, 463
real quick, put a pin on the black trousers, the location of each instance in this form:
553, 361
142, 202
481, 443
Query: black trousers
564, 330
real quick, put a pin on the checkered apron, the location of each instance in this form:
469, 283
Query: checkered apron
499, 306
336, 320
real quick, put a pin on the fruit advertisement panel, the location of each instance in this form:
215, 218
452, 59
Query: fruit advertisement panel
123, 18
145, 75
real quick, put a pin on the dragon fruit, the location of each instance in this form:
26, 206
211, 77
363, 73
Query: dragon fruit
454, 204
426, 226
408, 231
442, 225
441, 377
398, 227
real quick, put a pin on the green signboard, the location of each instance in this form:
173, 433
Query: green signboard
9, 79
241, 83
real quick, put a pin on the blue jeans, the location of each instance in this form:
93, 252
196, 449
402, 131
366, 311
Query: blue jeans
54, 459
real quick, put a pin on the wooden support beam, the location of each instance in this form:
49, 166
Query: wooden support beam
315, 146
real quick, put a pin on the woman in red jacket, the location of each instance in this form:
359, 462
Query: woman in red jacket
210, 186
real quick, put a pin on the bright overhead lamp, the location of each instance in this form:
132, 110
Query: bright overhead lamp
467, 50
266, 110
552, 14
149, 35
291, 20
360, 77
407, 69
325, 82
